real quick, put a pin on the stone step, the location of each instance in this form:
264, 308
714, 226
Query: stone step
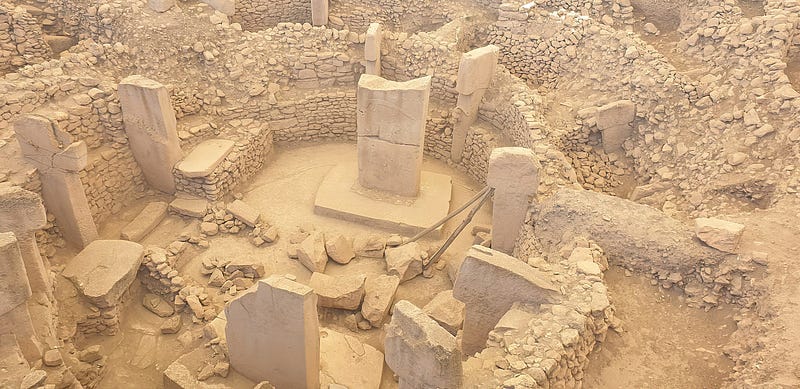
202, 161
145, 222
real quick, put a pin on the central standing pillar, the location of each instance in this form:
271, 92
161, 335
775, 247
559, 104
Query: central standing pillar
391, 133
474, 75
514, 175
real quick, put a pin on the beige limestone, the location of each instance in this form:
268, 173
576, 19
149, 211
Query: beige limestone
192, 207
273, 334
405, 261
378, 297
420, 352
22, 213
339, 248
719, 234
104, 270
228, 7
144, 223
446, 310
14, 287
475, 73
341, 292
514, 175
151, 128
311, 252
319, 12
391, 118
372, 49
160, 5
348, 362
488, 283
244, 212
205, 157
614, 121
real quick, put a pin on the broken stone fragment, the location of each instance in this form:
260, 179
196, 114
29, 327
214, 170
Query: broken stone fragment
312, 254
405, 261
719, 234
157, 305
447, 311
244, 212
348, 362
90, 354
342, 292
340, 248
104, 270
34, 379
370, 246
171, 325
189, 207
378, 298
52, 358
145, 222
248, 267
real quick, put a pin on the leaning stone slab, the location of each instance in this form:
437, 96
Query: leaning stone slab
273, 334
719, 234
348, 362
244, 212
489, 283
378, 298
14, 287
420, 352
145, 222
312, 254
189, 207
104, 270
340, 292
202, 161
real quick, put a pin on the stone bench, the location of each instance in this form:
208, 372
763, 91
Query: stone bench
202, 161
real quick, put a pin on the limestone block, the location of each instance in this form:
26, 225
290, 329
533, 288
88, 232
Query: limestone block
20, 210
719, 234
39, 139
446, 310
389, 167
393, 111
340, 292
621, 112
372, 45
193, 207
145, 222
378, 297
348, 362
339, 248
405, 261
244, 212
151, 128
104, 270
420, 352
311, 252
488, 283
476, 69
202, 161
14, 287
319, 12
369, 245
513, 170
273, 334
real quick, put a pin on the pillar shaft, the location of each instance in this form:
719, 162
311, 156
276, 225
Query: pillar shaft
475, 73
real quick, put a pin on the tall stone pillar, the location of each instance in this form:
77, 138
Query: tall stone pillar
59, 161
372, 49
22, 213
14, 294
391, 122
489, 283
319, 12
475, 72
151, 128
514, 175
273, 334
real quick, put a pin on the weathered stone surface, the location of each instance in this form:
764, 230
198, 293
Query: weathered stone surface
52, 358
205, 157
160, 5
719, 234
250, 267
34, 379
228, 7
488, 283
476, 69
340, 248
446, 310
319, 12
378, 298
151, 128
191, 207
104, 270
311, 252
154, 303
390, 167
370, 246
514, 175
614, 121
419, 351
172, 325
244, 212
14, 287
372, 49
22, 213
348, 362
342, 292
405, 261
273, 334
145, 222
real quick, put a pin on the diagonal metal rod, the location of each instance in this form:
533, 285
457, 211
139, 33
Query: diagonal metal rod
448, 217
460, 228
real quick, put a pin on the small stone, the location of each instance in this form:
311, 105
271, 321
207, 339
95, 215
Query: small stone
209, 229
157, 305
221, 369
90, 354
34, 379
171, 325
340, 249
52, 358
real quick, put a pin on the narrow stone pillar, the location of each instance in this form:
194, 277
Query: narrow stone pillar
22, 213
319, 12
475, 72
14, 294
514, 175
488, 283
420, 351
59, 161
151, 128
372, 49
273, 334
614, 120
391, 122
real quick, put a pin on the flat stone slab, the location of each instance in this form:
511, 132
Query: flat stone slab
341, 197
182, 374
344, 360
205, 158
193, 207
104, 270
145, 222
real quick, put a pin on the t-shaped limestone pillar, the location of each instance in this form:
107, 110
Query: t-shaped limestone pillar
475, 72
372, 49
514, 175
420, 351
488, 283
391, 122
22, 213
319, 12
151, 128
59, 161
273, 334
14, 294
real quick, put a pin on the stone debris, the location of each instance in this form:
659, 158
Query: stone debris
312, 254
347, 362
244, 212
172, 325
52, 358
341, 292
446, 310
369, 246
157, 305
339, 248
147, 220
189, 207
405, 261
719, 234
378, 298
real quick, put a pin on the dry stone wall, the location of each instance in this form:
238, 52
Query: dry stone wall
21, 40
